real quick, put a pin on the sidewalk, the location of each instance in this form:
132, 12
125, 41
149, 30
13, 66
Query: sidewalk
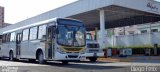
130, 58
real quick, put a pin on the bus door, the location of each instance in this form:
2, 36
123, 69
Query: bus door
18, 44
50, 41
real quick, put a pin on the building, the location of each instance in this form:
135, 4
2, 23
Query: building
126, 30
1, 17
149, 27
102, 14
137, 29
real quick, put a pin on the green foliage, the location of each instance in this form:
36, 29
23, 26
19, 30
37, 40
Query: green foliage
141, 46
135, 46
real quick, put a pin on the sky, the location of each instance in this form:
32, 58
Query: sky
18, 10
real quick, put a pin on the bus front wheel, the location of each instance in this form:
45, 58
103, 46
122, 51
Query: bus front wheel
40, 58
93, 59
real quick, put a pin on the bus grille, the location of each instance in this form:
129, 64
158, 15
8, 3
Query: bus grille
72, 56
92, 45
73, 49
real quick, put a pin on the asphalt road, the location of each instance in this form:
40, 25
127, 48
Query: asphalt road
24, 66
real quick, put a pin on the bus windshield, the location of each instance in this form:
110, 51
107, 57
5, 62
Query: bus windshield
71, 35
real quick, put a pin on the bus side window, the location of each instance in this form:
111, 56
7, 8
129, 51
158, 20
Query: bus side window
42, 32
4, 38
12, 37
8, 37
25, 34
33, 33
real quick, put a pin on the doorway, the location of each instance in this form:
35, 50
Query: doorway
50, 41
18, 44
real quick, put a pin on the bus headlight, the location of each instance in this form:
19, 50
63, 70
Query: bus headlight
84, 50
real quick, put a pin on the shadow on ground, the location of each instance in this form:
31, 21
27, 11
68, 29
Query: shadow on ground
86, 65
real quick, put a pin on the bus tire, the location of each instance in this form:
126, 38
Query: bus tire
11, 58
93, 59
64, 62
40, 58
32, 60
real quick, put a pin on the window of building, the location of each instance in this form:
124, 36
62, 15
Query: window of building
143, 31
33, 33
12, 37
154, 30
25, 34
41, 31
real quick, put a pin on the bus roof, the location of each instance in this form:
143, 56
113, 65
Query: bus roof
35, 24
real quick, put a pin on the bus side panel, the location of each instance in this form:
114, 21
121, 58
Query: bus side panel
0, 50
24, 49
5, 50
33, 46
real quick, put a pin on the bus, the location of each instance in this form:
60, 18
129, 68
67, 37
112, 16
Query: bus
60, 39
93, 50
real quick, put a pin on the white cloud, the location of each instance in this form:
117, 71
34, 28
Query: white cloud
17, 10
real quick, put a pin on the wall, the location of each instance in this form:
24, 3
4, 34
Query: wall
134, 40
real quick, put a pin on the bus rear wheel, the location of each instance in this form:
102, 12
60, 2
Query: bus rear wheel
40, 58
93, 59
11, 56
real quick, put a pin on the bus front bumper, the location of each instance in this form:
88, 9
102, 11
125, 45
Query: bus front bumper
69, 57
93, 54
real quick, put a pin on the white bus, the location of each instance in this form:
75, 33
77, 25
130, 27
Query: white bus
59, 39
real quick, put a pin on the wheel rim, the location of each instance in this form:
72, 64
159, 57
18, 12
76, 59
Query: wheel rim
11, 56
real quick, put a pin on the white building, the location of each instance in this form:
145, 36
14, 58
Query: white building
149, 27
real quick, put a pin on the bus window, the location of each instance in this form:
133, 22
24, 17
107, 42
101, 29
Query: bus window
33, 33
12, 37
25, 34
41, 31
4, 38
8, 37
